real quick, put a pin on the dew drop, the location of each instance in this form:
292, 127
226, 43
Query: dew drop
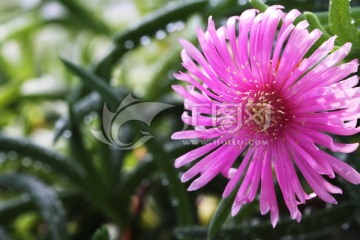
129, 44
165, 182
161, 34
170, 27
59, 123
254, 222
242, 2
12, 155
67, 134
26, 162
38, 165
174, 203
307, 211
328, 205
145, 40
345, 226
179, 25
53, 10
90, 117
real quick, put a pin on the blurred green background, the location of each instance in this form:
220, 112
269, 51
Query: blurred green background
59, 182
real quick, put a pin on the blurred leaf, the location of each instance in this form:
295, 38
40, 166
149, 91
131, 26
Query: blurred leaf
147, 27
101, 234
9, 92
13, 207
159, 81
317, 221
84, 17
76, 143
45, 198
184, 211
93, 82
221, 214
58, 162
92, 102
157, 20
131, 181
341, 23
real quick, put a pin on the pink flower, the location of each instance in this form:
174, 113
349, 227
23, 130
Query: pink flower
265, 106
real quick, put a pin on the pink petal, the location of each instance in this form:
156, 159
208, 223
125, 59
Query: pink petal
194, 154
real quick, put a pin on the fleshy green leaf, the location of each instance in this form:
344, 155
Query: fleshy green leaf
94, 82
314, 22
44, 197
258, 4
101, 234
59, 163
341, 23
315, 223
221, 214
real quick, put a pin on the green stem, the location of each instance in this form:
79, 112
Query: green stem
258, 5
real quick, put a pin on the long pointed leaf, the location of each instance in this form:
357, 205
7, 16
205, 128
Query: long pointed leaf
341, 23
221, 214
59, 163
94, 82
11, 208
316, 221
44, 197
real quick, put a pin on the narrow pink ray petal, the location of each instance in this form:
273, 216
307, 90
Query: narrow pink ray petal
236, 178
202, 134
194, 154
342, 168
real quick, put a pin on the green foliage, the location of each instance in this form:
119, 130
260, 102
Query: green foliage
341, 23
101, 234
44, 197
221, 214
258, 4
